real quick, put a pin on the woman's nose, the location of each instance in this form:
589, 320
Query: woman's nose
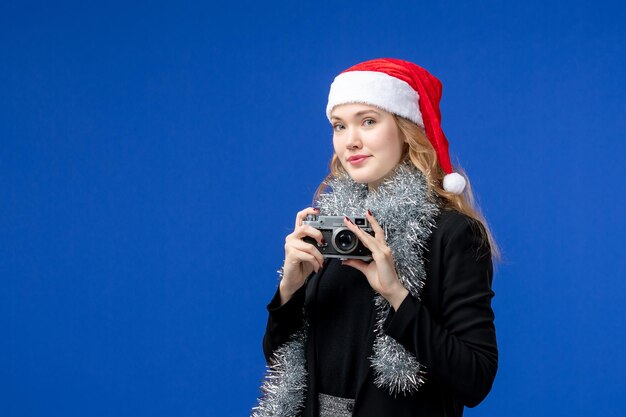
353, 139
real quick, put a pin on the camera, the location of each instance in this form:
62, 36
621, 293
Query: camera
340, 241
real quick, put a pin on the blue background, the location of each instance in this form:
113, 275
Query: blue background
153, 157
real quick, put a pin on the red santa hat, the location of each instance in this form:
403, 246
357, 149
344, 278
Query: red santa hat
401, 88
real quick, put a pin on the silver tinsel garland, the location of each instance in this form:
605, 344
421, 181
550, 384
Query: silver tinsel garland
406, 209
284, 386
403, 205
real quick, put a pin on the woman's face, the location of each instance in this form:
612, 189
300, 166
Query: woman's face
367, 141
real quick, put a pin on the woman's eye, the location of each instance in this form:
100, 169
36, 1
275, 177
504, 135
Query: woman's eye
337, 127
369, 122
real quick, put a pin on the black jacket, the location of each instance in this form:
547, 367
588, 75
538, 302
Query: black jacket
451, 331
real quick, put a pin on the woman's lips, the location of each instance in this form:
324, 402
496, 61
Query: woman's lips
357, 160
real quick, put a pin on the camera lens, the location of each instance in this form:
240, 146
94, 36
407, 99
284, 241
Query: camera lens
344, 241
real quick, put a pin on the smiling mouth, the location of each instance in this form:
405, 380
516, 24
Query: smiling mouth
355, 161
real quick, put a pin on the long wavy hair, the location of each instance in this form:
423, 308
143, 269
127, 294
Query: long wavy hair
419, 150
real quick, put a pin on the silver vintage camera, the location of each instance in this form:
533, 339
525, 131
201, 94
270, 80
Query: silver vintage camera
340, 241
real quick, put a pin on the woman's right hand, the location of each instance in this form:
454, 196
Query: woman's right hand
301, 258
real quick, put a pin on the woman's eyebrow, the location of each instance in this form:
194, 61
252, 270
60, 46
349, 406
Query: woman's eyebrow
358, 114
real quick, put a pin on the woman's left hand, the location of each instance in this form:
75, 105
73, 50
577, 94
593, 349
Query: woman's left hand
381, 271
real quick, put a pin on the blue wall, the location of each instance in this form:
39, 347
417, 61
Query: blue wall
153, 156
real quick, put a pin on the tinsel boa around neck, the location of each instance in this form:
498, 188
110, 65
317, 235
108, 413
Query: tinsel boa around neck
402, 205
406, 209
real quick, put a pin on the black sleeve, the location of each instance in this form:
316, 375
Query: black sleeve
283, 321
458, 347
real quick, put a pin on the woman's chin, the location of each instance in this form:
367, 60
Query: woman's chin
360, 179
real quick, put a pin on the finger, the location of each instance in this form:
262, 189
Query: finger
379, 232
306, 230
304, 256
302, 215
300, 245
355, 263
368, 240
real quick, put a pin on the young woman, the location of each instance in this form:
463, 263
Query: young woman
411, 332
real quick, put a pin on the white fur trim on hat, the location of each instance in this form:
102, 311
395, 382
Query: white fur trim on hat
377, 89
454, 183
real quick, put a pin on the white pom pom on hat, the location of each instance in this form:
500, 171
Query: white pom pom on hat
402, 88
454, 183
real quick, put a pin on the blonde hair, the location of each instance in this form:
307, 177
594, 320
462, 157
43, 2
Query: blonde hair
422, 155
